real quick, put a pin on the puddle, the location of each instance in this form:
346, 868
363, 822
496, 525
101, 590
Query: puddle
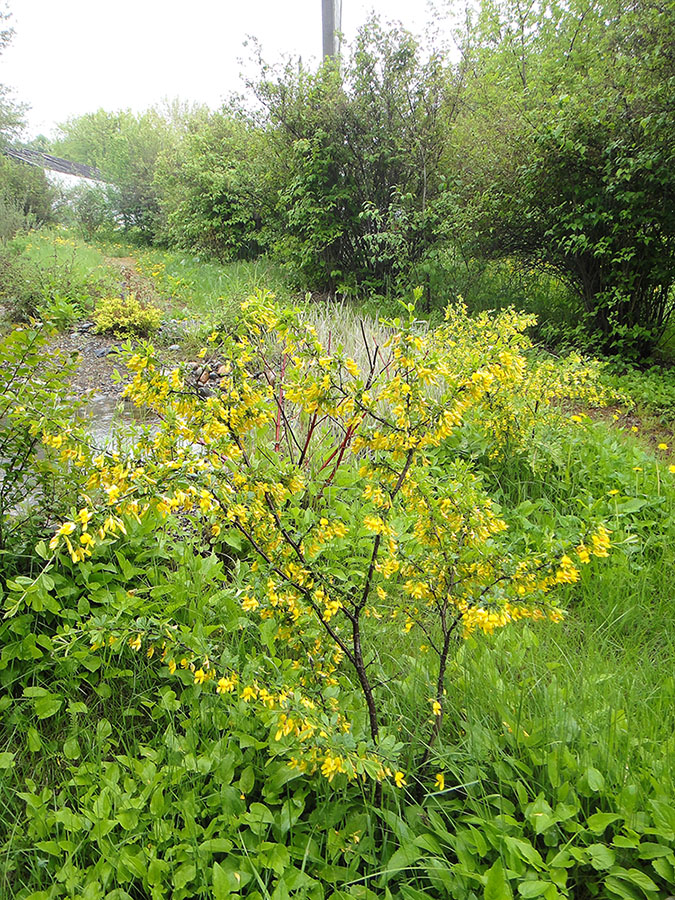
108, 417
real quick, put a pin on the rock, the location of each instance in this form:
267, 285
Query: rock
204, 377
204, 392
191, 366
174, 347
214, 376
85, 326
223, 370
104, 351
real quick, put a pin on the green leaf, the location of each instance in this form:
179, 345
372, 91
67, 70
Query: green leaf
247, 780
128, 818
665, 868
221, 889
47, 706
216, 845
497, 885
621, 889
401, 859
651, 850
599, 821
533, 888
664, 815
601, 856
636, 877
71, 748
134, 862
6, 759
595, 779
184, 875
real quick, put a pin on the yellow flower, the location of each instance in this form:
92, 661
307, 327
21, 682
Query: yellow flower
634, 429
248, 693
226, 685
172, 666
399, 779
200, 676
671, 469
351, 367
135, 643
440, 781
663, 446
435, 707
248, 604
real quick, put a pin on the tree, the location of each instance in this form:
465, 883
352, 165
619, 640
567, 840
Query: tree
574, 166
364, 144
125, 148
218, 187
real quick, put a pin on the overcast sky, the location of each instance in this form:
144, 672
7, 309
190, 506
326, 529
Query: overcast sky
69, 57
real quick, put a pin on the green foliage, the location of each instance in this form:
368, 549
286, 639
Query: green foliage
33, 486
121, 779
49, 275
126, 316
217, 189
580, 159
26, 198
125, 148
364, 193
88, 208
207, 290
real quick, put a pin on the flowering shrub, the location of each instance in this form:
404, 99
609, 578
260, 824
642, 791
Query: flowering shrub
125, 316
354, 508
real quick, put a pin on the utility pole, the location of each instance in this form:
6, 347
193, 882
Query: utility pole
331, 20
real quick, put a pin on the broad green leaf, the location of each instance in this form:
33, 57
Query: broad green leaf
71, 748
599, 821
529, 889
601, 856
47, 706
497, 885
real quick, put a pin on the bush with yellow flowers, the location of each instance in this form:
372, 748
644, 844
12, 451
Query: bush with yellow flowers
126, 317
356, 513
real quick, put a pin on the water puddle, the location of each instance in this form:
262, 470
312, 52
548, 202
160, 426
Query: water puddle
109, 418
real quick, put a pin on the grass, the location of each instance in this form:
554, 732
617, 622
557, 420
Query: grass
209, 291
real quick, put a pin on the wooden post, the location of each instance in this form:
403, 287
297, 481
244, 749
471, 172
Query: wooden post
331, 20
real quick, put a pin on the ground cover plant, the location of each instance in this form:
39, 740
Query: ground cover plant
53, 275
223, 670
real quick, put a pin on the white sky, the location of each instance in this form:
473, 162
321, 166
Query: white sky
69, 57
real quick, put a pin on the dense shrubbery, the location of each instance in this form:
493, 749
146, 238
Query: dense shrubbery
547, 146
363, 197
36, 483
